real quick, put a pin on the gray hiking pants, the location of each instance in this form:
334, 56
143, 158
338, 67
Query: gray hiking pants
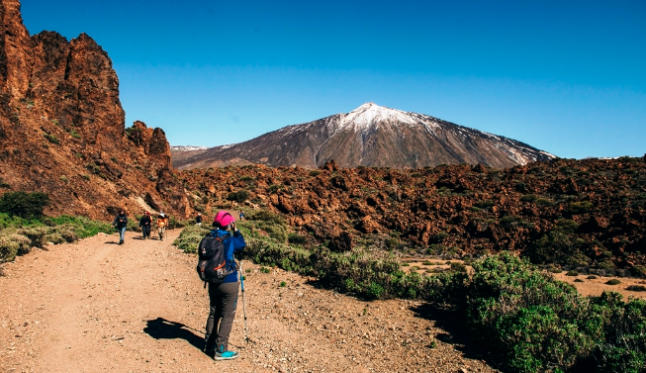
223, 299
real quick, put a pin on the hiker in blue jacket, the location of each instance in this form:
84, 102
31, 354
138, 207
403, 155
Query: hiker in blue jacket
223, 296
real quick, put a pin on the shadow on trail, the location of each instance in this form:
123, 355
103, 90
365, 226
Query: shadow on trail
456, 334
111, 242
161, 328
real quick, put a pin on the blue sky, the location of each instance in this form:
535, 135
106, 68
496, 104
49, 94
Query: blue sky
568, 77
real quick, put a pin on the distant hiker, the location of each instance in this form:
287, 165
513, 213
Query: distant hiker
223, 294
241, 215
120, 223
145, 223
198, 220
162, 224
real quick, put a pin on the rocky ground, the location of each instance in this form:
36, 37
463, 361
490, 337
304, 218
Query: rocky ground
588, 214
96, 306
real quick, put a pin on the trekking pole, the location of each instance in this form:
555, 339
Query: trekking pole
244, 307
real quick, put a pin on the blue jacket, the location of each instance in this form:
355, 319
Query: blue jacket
232, 244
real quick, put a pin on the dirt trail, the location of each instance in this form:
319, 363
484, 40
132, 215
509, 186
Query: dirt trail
95, 306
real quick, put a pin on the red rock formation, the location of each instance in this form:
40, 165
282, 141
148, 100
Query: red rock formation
62, 128
561, 210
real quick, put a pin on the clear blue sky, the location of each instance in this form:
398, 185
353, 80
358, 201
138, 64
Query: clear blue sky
568, 77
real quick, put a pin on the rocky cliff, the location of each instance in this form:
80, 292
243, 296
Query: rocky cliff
62, 128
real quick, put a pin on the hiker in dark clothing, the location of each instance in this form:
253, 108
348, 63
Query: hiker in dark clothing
198, 219
223, 296
120, 223
145, 223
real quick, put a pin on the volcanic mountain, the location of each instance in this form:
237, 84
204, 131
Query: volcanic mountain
370, 135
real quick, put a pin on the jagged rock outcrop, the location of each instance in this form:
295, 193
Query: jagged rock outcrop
62, 128
457, 210
372, 136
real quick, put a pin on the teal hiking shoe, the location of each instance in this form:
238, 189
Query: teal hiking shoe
226, 355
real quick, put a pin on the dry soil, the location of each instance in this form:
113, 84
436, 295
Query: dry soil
94, 306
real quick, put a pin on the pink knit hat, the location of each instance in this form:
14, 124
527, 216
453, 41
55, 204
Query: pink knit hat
223, 218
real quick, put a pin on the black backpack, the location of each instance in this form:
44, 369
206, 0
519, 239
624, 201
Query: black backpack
211, 266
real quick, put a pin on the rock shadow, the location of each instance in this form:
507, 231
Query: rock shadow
457, 333
161, 328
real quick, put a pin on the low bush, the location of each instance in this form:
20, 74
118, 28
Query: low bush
239, 196
26, 205
636, 288
538, 324
12, 244
190, 238
19, 234
613, 281
296, 239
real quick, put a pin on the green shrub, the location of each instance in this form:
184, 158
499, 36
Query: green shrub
73, 228
636, 288
264, 269
12, 244
622, 347
55, 238
572, 273
579, 207
52, 138
36, 235
190, 238
529, 198
296, 239
613, 281
26, 205
239, 196
273, 188
537, 324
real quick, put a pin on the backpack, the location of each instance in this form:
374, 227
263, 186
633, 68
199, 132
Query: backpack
211, 266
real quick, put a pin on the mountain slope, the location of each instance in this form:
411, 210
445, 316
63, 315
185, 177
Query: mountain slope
371, 135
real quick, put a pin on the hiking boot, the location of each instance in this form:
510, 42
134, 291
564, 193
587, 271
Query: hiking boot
226, 355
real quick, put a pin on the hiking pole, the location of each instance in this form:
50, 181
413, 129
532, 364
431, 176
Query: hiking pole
244, 307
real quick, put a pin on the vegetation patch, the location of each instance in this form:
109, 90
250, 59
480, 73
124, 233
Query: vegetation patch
22, 204
18, 235
239, 196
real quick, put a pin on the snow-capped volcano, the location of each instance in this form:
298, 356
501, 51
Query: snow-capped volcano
370, 114
371, 135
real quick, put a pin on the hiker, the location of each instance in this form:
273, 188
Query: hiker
145, 222
241, 215
162, 223
120, 223
223, 296
198, 220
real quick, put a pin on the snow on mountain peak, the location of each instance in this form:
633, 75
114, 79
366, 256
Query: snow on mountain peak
370, 113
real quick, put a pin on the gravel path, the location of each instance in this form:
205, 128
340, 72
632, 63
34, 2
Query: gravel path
95, 306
